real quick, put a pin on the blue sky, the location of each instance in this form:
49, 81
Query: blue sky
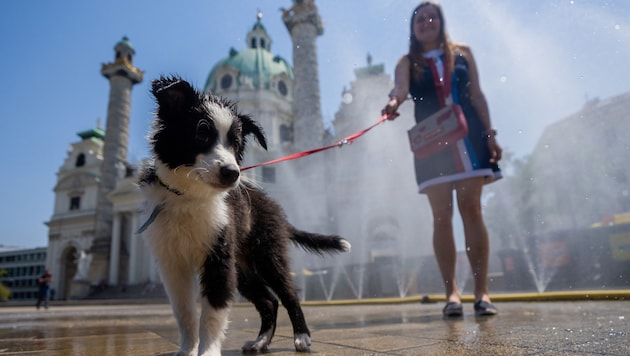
539, 61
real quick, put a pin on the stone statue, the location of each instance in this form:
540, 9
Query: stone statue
83, 264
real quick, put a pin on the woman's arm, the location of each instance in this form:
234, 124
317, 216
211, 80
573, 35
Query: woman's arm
477, 98
478, 101
401, 86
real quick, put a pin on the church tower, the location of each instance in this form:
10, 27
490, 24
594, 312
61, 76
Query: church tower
71, 227
122, 75
304, 24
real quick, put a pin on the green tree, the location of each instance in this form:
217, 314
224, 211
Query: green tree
5, 292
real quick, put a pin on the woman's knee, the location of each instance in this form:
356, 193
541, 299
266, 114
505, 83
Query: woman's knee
440, 200
469, 208
469, 196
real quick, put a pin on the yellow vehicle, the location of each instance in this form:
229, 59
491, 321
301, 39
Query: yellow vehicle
620, 239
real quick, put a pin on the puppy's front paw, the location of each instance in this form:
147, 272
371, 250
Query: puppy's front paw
257, 346
302, 342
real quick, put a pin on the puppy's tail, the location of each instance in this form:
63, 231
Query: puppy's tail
320, 244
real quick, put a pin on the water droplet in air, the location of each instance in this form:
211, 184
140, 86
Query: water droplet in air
503, 79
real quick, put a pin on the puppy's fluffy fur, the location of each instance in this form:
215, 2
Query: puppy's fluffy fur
212, 230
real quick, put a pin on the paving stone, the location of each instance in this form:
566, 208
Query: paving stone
594, 327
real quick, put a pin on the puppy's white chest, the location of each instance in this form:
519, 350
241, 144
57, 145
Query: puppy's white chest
187, 230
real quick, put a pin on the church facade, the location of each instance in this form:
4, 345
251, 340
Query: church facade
98, 208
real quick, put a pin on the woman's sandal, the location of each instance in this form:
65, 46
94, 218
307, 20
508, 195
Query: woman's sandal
453, 309
483, 308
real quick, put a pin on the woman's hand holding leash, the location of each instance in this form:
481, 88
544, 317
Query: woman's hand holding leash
390, 109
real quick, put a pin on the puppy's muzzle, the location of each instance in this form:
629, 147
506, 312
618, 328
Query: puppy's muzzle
228, 174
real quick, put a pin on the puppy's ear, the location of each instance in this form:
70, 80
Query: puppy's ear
173, 94
251, 127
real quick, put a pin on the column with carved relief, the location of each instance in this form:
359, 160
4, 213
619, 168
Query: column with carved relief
122, 75
304, 24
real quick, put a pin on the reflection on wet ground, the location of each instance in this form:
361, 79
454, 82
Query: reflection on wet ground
522, 328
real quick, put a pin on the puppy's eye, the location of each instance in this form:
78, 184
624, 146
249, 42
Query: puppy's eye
234, 139
204, 132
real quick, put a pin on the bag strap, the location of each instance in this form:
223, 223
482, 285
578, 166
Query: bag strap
442, 87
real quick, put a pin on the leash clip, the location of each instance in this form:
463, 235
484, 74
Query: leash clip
343, 142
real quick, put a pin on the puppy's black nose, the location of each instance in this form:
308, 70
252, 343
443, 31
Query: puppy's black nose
229, 173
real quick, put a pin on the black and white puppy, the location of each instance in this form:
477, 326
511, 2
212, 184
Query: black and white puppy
208, 228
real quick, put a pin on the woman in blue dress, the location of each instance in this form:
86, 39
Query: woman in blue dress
434, 68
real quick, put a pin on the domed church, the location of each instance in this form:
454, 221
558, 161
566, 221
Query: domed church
98, 208
93, 244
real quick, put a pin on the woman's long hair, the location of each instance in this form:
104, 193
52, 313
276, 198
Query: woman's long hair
416, 58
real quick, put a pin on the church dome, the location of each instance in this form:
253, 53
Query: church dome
252, 68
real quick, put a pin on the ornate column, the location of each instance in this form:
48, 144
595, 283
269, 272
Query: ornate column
114, 256
304, 24
122, 76
134, 240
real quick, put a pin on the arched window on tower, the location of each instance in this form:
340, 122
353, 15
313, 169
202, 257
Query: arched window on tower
80, 160
282, 88
253, 43
226, 82
75, 203
262, 43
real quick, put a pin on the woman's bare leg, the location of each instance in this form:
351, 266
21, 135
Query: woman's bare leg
441, 201
477, 242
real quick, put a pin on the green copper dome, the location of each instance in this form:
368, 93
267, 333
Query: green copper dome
253, 67
92, 133
255, 64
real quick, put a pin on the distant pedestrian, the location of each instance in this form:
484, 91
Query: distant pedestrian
44, 283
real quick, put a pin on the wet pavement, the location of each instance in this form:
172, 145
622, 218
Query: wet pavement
591, 327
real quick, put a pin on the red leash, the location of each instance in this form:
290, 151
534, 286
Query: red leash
347, 140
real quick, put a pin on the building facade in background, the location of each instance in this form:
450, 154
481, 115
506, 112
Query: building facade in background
92, 242
90, 237
21, 269
365, 191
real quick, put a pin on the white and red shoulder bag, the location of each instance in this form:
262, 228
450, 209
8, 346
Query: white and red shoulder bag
440, 130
